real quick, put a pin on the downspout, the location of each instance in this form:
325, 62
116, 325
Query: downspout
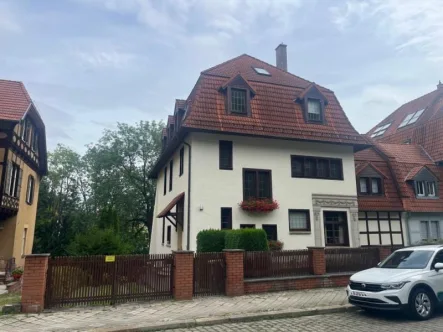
188, 226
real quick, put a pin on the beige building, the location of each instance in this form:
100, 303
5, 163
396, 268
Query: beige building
23, 162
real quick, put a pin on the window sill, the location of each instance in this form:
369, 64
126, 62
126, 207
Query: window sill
226, 168
300, 232
427, 197
168, 245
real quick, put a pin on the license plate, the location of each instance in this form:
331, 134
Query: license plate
359, 294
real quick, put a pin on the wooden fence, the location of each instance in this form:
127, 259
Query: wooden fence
209, 273
351, 259
95, 280
271, 264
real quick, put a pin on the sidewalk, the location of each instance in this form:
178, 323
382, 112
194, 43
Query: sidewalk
203, 310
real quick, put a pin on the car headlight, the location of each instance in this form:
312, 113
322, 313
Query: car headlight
395, 285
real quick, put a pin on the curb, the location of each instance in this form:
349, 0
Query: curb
190, 323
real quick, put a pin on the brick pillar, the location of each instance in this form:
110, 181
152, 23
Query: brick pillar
183, 275
235, 285
317, 255
384, 252
34, 283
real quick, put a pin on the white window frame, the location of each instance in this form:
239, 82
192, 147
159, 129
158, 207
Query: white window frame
421, 188
317, 112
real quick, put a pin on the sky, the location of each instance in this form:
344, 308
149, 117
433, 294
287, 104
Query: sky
89, 64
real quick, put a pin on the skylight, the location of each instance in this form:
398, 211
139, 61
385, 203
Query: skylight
411, 118
380, 130
262, 71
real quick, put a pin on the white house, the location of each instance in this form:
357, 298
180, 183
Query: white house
250, 130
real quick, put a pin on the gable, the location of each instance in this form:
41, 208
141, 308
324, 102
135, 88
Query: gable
370, 171
424, 174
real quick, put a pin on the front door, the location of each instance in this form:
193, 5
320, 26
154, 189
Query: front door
336, 228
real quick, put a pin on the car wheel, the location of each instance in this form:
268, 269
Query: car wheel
421, 304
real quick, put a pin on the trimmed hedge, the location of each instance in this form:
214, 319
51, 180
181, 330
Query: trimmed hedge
211, 240
248, 239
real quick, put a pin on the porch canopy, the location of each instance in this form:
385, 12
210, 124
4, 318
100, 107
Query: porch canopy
177, 216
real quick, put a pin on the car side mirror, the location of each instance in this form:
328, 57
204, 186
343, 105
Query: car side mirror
438, 266
378, 264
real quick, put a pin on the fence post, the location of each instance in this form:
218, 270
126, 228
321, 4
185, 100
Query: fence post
384, 252
235, 285
183, 287
34, 283
318, 260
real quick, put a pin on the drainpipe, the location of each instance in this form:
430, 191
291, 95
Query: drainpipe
408, 228
188, 227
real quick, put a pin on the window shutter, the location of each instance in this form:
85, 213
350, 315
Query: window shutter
8, 177
19, 184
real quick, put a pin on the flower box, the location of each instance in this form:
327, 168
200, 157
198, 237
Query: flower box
259, 205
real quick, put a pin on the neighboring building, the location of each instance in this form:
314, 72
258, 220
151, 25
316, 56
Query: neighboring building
252, 130
406, 168
22, 164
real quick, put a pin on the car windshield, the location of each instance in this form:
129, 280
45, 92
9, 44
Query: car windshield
407, 259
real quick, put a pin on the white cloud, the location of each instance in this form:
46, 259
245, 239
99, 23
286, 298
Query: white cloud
8, 20
105, 59
405, 23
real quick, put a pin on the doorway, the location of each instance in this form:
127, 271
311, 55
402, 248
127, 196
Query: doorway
336, 228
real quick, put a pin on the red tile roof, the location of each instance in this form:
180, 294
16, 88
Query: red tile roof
406, 153
274, 112
14, 100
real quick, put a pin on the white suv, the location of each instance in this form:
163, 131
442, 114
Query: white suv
410, 279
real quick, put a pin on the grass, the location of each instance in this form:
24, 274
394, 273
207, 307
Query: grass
9, 298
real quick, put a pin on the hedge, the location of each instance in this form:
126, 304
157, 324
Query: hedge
211, 240
248, 239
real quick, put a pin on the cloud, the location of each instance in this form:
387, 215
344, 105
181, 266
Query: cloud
407, 24
106, 59
8, 19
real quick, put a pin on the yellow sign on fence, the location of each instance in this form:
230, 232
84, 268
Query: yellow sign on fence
109, 259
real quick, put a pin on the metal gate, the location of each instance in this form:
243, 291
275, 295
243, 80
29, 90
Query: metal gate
209, 273
101, 280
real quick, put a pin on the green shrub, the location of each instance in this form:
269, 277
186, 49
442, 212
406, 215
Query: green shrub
247, 239
275, 245
211, 240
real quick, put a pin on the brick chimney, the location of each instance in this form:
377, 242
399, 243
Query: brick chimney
439, 85
281, 57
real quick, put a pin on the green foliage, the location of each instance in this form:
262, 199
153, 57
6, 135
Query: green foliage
17, 271
211, 240
248, 239
107, 188
99, 242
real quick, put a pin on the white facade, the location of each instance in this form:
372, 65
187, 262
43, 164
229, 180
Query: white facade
212, 189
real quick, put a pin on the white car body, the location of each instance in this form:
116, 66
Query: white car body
365, 288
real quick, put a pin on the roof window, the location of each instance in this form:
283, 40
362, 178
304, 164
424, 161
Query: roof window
411, 118
380, 130
261, 71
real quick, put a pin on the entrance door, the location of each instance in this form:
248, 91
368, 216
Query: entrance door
336, 228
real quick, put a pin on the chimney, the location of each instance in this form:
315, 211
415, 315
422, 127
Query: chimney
440, 85
281, 57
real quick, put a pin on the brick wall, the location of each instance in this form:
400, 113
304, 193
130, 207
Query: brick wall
298, 283
34, 283
317, 255
183, 287
234, 272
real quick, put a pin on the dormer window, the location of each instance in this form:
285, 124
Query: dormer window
314, 110
425, 189
370, 186
238, 101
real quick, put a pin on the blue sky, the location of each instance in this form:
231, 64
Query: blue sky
90, 63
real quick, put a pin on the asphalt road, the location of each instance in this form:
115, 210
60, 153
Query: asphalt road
343, 322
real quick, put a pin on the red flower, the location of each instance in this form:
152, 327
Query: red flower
259, 205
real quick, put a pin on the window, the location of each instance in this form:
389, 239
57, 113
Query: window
380, 130
163, 231
411, 118
314, 110
182, 160
238, 101
30, 190
336, 229
370, 186
257, 184
225, 155
226, 218
271, 232
243, 226
165, 180
171, 164
299, 221
435, 230
425, 189
34, 141
429, 230
261, 71
424, 231
317, 168
25, 235
13, 180
168, 235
